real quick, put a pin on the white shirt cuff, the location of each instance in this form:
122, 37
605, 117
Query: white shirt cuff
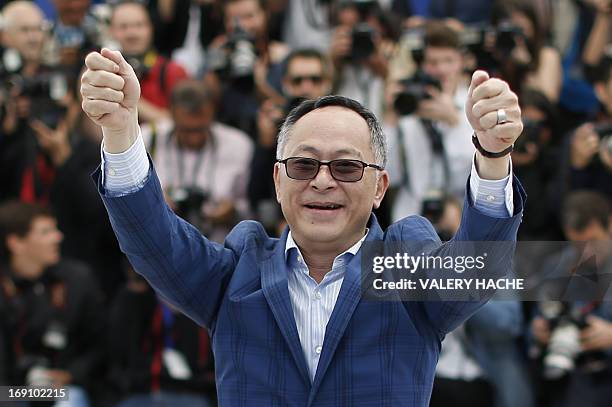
494, 198
126, 172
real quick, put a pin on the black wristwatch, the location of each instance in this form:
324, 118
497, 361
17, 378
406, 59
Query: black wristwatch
489, 154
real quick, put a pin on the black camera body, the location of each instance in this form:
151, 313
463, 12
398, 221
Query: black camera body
362, 42
235, 60
189, 201
46, 89
142, 64
505, 35
413, 92
531, 134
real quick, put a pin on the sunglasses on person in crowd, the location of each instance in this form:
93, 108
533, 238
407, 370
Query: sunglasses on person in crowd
315, 79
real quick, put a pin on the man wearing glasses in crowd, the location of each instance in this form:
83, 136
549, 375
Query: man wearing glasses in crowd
307, 75
287, 320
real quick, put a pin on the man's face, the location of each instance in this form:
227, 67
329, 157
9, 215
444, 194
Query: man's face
594, 231
71, 12
249, 15
131, 28
305, 78
596, 237
326, 134
25, 33
192, 128
42, 243
445, 65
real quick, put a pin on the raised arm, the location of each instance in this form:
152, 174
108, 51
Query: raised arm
181, 264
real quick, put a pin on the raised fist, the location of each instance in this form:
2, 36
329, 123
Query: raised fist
110, 91
489, 100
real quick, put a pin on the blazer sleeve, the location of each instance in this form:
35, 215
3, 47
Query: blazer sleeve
182, 265
475, 226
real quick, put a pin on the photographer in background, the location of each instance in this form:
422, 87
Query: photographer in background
520, 51
34, 96
51, 311
162, 358
588, 150
307, 75
75, 33
203, 166
535, 160
362, 43
132, 29
574, 338
430, 141
244, 65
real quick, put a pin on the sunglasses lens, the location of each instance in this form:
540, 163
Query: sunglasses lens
347, 170
297, 80
302, 168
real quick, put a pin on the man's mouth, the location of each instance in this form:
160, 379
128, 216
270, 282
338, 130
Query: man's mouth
323, 206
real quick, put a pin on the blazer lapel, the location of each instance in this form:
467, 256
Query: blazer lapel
276, 291
348, 298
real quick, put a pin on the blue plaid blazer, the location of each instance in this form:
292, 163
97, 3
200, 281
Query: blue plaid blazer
375, 353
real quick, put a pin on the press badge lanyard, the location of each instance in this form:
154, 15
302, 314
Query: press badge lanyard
437, 146
212, 163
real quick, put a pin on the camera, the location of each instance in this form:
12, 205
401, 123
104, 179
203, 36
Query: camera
189, 203
46, 90
530, 134
414, 90
506, 35
563, 353
362, 42
432, 206
235, 60
503, 39
142, 64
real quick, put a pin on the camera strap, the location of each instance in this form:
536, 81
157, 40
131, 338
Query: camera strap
211, 164
437, 147
403, 158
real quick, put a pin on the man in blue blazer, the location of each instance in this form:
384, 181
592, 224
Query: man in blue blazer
288, 323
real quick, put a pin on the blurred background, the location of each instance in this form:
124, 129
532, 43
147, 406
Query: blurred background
217, 80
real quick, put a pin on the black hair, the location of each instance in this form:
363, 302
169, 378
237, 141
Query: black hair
16, 219
583, 207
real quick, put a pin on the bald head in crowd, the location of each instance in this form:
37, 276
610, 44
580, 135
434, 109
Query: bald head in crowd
24, 29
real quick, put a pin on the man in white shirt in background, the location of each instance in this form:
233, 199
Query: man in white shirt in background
430, 147
203, 166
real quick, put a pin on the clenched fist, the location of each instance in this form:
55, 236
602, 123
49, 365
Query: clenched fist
486, 97
110, 93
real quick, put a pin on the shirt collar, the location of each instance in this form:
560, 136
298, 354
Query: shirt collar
292, 254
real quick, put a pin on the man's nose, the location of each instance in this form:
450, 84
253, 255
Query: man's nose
324, 179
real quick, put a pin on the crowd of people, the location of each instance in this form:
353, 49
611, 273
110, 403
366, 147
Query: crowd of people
217, 80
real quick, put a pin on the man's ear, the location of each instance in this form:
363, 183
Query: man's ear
276, 176
382, 184
14, 243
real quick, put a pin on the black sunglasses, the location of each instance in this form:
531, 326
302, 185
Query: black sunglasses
297, 80
302, 168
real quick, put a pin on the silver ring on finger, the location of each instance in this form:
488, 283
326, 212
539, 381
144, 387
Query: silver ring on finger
502, 117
